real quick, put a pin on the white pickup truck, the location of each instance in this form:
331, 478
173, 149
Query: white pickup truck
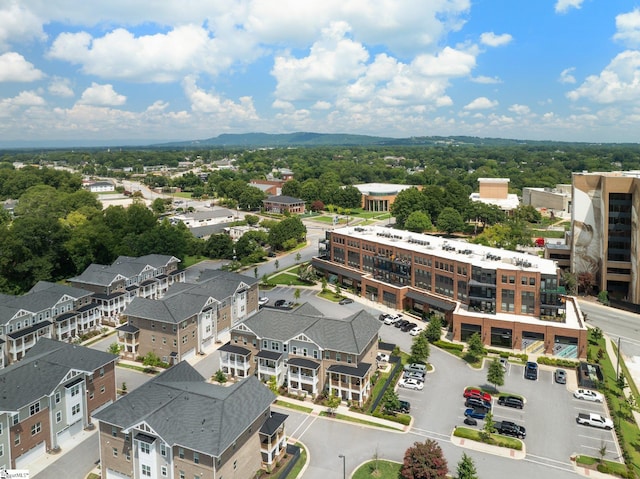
595, 420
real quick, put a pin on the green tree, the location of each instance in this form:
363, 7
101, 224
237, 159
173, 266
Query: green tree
219, 246
475, 348
273, 385
390, 401
252, 220
495, 374
333, 401
337, 290
450, 220
406, 202
220, 376
276, 264
434, 329
114, 348
424, 461
151, 360
298, 256
296, 294
419, 349
418, 222
158, 206
466, 468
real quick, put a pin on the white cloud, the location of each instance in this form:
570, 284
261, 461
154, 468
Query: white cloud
486, 80
563, 6
628, 26
14, 68
60, 87
481, 103
493, 40
27, 98
162, 57
519, 109
618, 82
18, 24
566, 76
332, 62
283, 105
447, 63
213, 105
101, 95
321, 105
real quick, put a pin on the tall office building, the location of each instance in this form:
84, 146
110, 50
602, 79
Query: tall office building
604, 239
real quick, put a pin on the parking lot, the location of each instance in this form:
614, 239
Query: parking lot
549, 414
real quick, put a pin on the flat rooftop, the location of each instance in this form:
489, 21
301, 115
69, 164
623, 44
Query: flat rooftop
478, 255
382, 188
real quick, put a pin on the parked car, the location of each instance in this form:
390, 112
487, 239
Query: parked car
415, 331
383, 316
405, 407
283, 303
411, 383
511, 401
416, 367
531, 371
477, 403
413, 375
588, 395
263, 300
475, 413
382, 357
407, 327
392, 319
399, 324
476, 393
504, 363
509, 428
595, 420
560, 375
345, 301
469, 421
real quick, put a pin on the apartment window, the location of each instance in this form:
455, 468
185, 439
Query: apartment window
163, 450
1, 429
145, 447
75, 410
265, 344
153, 325
185, 338
127, 456
196, 458
193, 333
34, 409
164, 340
1, 450
91, 395
327, 354
163, 471
102, 390
75, 390
101, 372
153, 338
58, 417
294, 350
304, 352
115, 451
235, 464
512, 279
315, 354
16, 419
182, 476
349, 358
338, 357
175, 343
146, 470
181, 453
114, 431
16, 439
532, 281
523, 280
36, 428
504, 278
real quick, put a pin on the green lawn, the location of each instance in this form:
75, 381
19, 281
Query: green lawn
330, 295
302, 460
610, 466
379, 469
191, 260
295, 407
494, 439
287, 279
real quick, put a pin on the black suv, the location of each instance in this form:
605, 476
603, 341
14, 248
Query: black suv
405, 406
477, 403
531, 371
509, 428
511, 401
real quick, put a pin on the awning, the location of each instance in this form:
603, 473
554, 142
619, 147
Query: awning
29, 330
359, 371
230, 348
304, 363
274, 355
432, 301
335, 269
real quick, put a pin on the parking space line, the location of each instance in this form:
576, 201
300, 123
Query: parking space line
597, 438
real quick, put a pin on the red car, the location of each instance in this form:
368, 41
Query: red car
476, 393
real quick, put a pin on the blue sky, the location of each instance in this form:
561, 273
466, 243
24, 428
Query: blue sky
180, 70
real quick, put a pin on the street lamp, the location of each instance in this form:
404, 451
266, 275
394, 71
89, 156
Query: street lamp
344, 467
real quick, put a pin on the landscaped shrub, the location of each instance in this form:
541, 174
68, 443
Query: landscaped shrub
447, 345
559, 362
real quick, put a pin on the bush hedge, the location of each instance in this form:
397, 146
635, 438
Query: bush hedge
447, 345
562, 363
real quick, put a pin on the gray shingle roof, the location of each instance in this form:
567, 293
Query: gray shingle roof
42, 369
186, 411
126, 266
349, 335
287, 200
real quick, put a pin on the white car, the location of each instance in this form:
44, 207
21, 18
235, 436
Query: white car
394, 318
263, 300
415, 331
411, 383
588, 395
382, 357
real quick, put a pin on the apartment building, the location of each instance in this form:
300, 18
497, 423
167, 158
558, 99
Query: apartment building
114, 286
281, 204
604, 239
306, 351
48, 310
189, 317
179, 426
512, 299
49, 396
